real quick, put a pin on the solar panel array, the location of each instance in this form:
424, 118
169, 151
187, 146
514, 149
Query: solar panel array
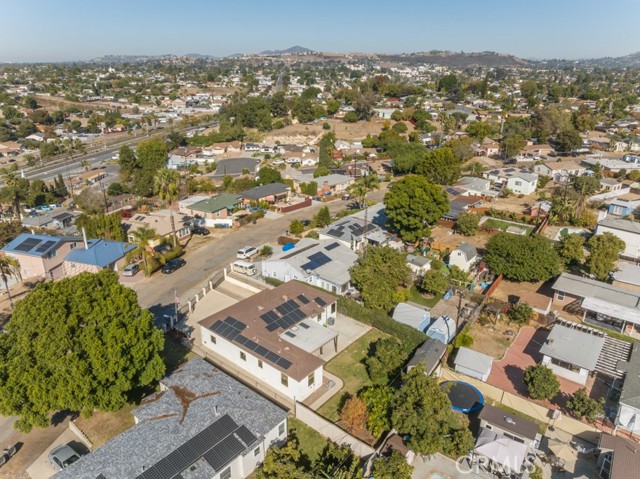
218, 444
320, 301
331, 246
229, 328
316, 260
28, 244
303, 299
45, 246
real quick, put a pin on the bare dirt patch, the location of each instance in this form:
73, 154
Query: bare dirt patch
101, 427
492, 339
302, 133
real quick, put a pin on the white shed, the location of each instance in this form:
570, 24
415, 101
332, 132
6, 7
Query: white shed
473, 364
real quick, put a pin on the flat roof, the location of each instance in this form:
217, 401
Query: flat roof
308, 336
621, 224
473, 360
255, 325
573, 346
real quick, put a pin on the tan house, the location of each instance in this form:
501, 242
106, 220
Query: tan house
160, 222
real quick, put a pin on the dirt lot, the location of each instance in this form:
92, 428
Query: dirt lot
491, 339
104, 426
312, 133
445, 238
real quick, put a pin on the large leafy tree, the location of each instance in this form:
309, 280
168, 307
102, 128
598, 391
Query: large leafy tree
522, 258
337, 462
603, 254
102, 226
378, 400
422, 410
378, 274
440, 166
166, 184
582, 406
571, 248
541, 382
467, 223
81, 343
128, 162
387, 359
269, 175
412, 204
282, 462
9, 230
151, 155
394, 466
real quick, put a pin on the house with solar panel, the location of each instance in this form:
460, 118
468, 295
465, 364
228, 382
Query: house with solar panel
352, 232
202, 424
322, 263
278, 336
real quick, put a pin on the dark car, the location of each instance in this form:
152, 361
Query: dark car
174, 264
200, 231
162, 248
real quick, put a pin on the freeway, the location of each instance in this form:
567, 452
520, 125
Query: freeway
157, 292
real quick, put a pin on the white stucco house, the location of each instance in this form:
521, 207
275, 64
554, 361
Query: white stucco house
464, 256
627, 231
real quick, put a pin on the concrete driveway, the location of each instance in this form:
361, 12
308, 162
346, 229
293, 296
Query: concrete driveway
41, 468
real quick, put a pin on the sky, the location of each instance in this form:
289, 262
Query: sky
68, 30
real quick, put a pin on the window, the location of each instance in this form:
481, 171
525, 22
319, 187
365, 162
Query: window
243, 356
213, 339
311, 379
560, 295
284, 380
518, 183
256, 451
333, 308
260, 363
72, 245
489, 427
565, 365
226, 474
281, 429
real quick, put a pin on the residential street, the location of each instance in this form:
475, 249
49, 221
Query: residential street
156, 292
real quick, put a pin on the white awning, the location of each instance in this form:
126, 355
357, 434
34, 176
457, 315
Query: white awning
623, 313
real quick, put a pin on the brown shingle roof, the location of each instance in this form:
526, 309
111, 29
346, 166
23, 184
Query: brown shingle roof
625, 463
249, 310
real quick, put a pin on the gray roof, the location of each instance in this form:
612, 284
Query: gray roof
428, 354
348, 229
418, 261
411, 315
573, 346
620, 224
375, 214
334, 179
197, 401
601, 297
234, 166
335, 259
263, 191
473, 360
627, 273
469, 250
630, 394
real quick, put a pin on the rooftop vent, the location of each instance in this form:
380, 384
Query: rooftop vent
509, 420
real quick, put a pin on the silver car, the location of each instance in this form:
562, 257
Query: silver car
63, 456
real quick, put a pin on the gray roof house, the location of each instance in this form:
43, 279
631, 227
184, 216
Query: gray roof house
351, 233
572, 353
412, 315
201, 424
464, 256
271, 192
629, 411
429, 355
322, 263
472, 363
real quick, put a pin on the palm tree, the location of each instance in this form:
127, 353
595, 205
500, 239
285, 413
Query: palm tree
166, 185
9, 268
85, 164
142, 238
12, 184
364, 185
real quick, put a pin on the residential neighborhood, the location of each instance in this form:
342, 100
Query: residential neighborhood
339, 263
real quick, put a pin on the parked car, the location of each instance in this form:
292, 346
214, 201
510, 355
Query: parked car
62, 456
246, 252
346, 196
130, 269
172, 265
200, 231
162, 248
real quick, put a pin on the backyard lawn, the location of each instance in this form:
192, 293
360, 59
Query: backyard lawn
503, 225
417, 297
349, 367
311, 442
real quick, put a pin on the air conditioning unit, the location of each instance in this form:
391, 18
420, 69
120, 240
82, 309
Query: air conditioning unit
331, 321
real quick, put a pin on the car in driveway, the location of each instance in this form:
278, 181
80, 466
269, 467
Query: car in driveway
62, 456
172, 265
200, 231
131, 269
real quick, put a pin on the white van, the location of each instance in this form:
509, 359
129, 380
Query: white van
247, 252
244, 267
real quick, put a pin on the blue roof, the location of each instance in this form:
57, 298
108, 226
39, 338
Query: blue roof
100, 253
35, 245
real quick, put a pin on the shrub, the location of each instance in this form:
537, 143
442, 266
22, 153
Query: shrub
541, 382
582, 406
463, 340
520, 313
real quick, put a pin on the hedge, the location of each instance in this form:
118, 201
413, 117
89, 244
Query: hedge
409, 337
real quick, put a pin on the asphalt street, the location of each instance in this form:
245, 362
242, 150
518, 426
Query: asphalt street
157, 291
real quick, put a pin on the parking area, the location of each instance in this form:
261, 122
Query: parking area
439, 466
42, 468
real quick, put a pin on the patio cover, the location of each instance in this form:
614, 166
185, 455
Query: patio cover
502, 451
612, 310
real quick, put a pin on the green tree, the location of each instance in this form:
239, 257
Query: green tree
435, 282
378, 274
326, 149
128, 162
604, 250
363, 186
296, 227
394, 466
102, 226
582, 406
571, 248
520, 313
440, 166
337, 462
522, 258
422, 410
269, 175
386, 360
281, 462
333, 106
541, 382
412, 204
9, 230
568, 140
85, 341
90, 201
378, 400
480, 130
584, 186
9, 268
151, 156
279, 105
512, 144
322, 217
166, 184
142, 238
467, 223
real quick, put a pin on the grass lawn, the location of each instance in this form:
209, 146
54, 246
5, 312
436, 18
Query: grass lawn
503, 225
101, 427
348, 366
416, 297
311, 442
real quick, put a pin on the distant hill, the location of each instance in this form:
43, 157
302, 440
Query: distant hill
459, 60
628, 61
292, 50
200, 55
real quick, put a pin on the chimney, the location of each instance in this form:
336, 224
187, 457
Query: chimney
84, 238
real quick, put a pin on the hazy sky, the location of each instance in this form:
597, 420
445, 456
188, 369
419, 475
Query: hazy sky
47, 30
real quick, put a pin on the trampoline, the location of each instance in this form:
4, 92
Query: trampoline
463, 396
